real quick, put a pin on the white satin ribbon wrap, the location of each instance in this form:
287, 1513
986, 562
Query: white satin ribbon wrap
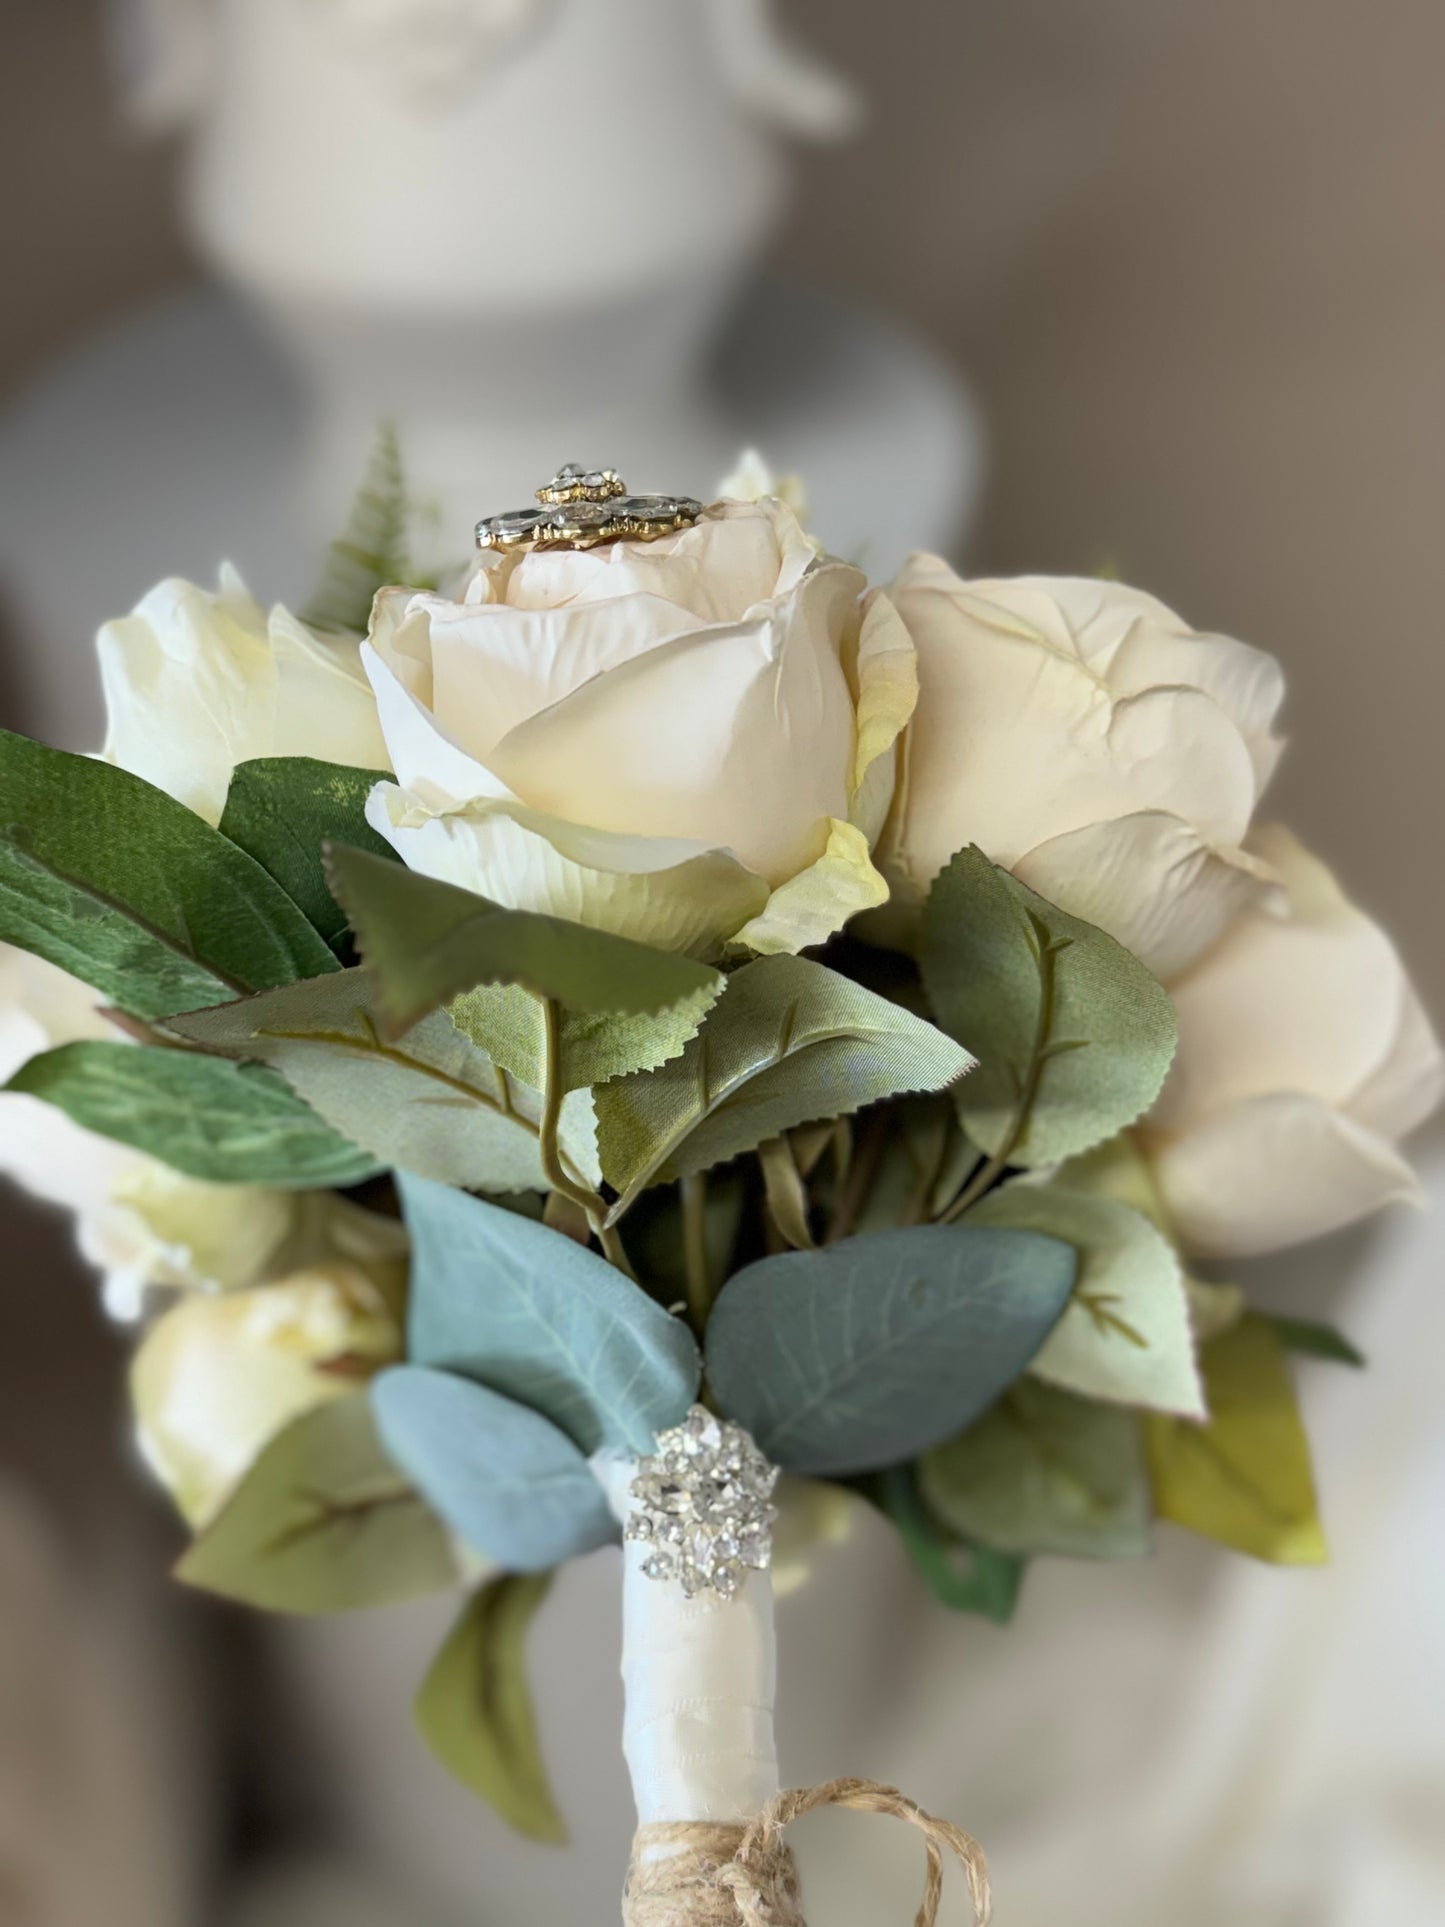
699, 1678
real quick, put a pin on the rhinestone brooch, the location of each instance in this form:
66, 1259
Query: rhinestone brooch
583, 507
704, 1506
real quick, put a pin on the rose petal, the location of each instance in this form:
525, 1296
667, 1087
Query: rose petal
426, 759
885, 691
811, 906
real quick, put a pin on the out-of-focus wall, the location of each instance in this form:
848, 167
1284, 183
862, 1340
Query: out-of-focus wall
1192, 254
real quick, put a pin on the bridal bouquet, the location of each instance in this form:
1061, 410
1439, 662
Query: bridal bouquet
656, 1040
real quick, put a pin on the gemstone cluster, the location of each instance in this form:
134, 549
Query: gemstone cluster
582, 507
704, 1506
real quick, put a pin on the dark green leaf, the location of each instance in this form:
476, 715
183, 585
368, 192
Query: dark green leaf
282, 810
1315, 1340
372, 552
128, 890
503, 1477
322, 1523
789, 1041
553, 1326
967, 1579
1045, 1472
221, 1122
1073, 1034
862, 1354
475, 1707
427, 942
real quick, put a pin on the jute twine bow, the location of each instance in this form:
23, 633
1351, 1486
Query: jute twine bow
705, 1875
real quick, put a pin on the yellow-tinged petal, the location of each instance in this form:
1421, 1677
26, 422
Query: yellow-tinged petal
885, 678
810, 907
1245, 1478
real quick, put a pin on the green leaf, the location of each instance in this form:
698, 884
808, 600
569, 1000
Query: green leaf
1073, 1034
788, 1042
967, 1579
430, 1102
428, 941
372, 551
1044, 1472
1125, 1333
1314, 1340
281, 810
115, 882
323, 1523
223, 1123
504, 1478
556, 1327
1243, 1479
593, 1046
475, 1707
864, 1353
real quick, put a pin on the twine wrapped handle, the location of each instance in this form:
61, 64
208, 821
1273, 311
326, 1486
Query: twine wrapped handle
751, 1876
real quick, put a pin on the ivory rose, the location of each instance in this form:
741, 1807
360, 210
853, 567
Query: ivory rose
1304, 1057
687, 741
196, 683
1084, 737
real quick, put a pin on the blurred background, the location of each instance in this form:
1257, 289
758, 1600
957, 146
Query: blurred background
1147, 285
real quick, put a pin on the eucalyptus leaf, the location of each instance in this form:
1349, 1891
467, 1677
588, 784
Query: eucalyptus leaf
323, 1523
372, 553
428, 1102
427, 942
864, 1353
965, 1578
593, 1046
789, 1041
474, 1709
126, 889
526, 1311
282, 810
1315, 1340
221, 1122
505, 1479
1125, 1333
1073, 1035
1243, 1479
1044, 1472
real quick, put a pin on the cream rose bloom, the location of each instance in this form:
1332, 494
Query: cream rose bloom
196, 683
218, 1378
687, 741
1304, 1057
1088, 740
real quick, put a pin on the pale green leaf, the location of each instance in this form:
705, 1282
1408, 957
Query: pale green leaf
323, 1523
1072, 1033
533, 1315
126, 889
474, 1709
862, 1354
1125, 1333
1044, 1472
505, 1479
372, 551
221, 1122
965, 1578
788, 1042
593, 1046
787, 1195
427, 942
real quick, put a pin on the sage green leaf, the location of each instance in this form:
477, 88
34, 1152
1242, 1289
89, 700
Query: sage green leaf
323, 1523
1125, 1334
115, 882
524, 1310
1073, 1034
372, 553
282, 810
1315, 1340
429, 1102
1044, 1472
967, 1579
474, 1709
221, 1122
862, 1354
504, 1478
428, 941
593, 1046
788, 1042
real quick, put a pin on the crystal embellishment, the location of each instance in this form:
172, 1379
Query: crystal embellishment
584, 507
704, 1506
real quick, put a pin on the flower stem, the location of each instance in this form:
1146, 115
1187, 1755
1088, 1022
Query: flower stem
553, 1168
694, 1250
